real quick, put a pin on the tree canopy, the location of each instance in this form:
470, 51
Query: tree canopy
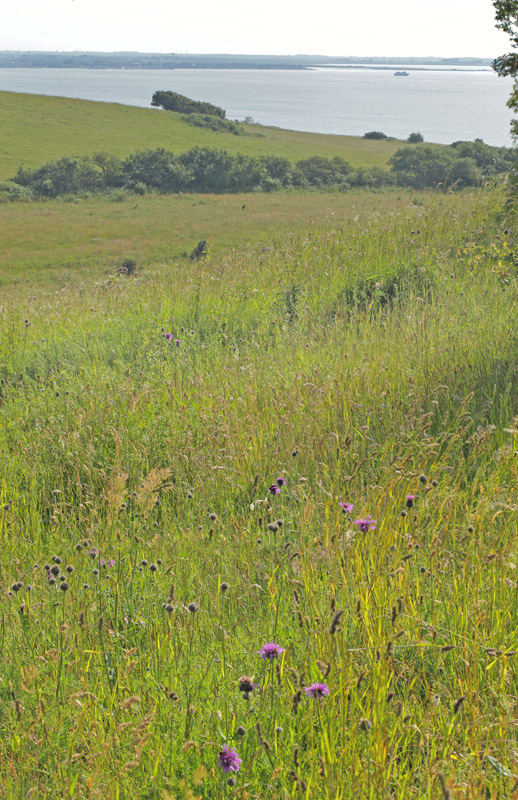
172, 101
506, 13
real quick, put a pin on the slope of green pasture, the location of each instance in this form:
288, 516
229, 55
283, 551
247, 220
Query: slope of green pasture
35, 129
71, 242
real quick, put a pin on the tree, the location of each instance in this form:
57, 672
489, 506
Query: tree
415, 138
422, 168
172, 101
507, 21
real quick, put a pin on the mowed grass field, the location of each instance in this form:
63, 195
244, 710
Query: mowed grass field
35, 129
259, 513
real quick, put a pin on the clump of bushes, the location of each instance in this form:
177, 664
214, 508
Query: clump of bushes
415, 138
218, 125
207, 170
375, 135
172, 101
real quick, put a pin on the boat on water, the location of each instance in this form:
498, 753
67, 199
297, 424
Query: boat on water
401, 73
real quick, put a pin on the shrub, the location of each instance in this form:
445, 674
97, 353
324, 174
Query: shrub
127, 267
65, 176
216, 124
374, 135
172, 101
415, 138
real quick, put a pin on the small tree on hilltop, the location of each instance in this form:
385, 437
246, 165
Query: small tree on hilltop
415, 138
172, 101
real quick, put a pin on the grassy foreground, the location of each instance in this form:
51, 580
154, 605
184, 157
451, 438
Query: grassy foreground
146, 558
35, 129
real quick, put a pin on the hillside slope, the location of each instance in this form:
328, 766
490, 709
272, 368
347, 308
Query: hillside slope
35, 129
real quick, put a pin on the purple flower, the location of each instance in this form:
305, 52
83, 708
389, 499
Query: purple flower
317, 690
281, 481
108, 564
274, 489
346, 507
177, 342
169, 337
410, 500
366, 524
229, 760
270, 650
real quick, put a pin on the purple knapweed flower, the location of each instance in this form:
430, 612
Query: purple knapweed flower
317, 690
270, 650
346, 507
274, 489
410, 500
281, 481
169, 337
108, 564
366, 524
177, 342
229, 760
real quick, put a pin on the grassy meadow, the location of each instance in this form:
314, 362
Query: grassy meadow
308, 440
35, 129
62, 243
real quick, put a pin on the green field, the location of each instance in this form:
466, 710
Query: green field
306, 440
146, 558
35, 129
79, 241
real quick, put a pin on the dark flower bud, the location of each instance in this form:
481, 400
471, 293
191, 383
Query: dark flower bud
245, 684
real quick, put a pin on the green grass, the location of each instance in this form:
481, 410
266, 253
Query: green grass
35, 129
78, 241
364, 363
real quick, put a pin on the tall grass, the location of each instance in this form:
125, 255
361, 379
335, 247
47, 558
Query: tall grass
373, 365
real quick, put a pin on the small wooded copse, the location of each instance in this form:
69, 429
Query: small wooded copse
172, 101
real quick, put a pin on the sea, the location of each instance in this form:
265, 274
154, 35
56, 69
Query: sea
444, 105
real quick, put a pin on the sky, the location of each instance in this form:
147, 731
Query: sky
285, 27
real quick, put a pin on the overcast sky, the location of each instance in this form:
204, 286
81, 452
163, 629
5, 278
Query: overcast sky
327, 27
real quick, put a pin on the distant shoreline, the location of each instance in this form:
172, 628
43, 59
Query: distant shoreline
172, 61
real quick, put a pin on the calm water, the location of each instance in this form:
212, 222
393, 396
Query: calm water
444, 106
